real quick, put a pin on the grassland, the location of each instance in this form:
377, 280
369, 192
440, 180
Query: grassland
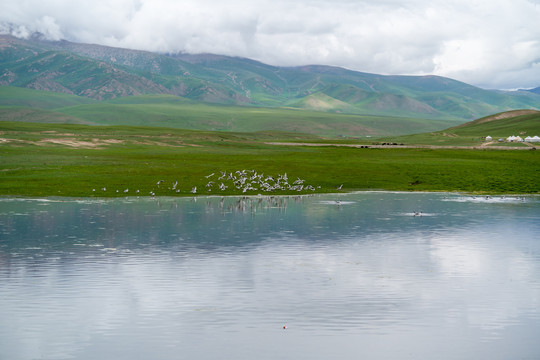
22, 97
77, 160
176, 112
198, 116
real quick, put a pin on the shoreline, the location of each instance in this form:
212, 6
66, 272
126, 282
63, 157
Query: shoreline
53, 198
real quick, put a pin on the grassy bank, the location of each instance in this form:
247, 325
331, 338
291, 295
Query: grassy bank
75, 160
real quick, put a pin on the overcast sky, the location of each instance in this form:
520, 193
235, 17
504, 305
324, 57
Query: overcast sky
488, 43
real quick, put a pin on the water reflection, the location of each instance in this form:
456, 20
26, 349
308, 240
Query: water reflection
369, 275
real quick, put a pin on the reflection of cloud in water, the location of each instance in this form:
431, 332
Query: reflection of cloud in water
487, 282
177, 275
456, 258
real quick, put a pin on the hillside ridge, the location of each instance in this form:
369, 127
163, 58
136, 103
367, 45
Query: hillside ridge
503, 115
102, 73
499, 127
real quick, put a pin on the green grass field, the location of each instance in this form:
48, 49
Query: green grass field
198, 116
75, 160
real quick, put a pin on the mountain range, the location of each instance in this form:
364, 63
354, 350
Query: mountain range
104, 73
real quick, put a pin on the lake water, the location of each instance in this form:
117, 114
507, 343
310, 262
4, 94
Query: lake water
356, 276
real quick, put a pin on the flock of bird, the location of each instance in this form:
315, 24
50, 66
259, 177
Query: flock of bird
241, 180
250, 180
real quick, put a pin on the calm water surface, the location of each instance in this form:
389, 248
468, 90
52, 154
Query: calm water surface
355, 276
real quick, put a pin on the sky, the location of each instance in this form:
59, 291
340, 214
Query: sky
493, 44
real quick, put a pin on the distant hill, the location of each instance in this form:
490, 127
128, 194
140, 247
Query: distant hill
169, 111
501, 118
13, 96
535, 90
502, 125
517, 122
104, 73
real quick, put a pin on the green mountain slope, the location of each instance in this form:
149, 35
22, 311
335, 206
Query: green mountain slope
159, 111
25, 114
14, 96
517, 122
177, 112
102, 73
502, 125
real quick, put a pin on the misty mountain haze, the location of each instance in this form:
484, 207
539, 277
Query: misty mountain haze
101, 72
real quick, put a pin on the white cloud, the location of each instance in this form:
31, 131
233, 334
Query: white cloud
48, 27
490, 43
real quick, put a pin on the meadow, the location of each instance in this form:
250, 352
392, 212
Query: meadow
169, 111
109, 161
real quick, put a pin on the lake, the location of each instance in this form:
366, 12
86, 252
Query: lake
370, 275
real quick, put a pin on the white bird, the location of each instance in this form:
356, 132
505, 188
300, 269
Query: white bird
340, 186
194, 190
212, 174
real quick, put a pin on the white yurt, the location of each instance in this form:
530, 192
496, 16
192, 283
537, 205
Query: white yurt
511, 138
489, 138
519, 139
535, 139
